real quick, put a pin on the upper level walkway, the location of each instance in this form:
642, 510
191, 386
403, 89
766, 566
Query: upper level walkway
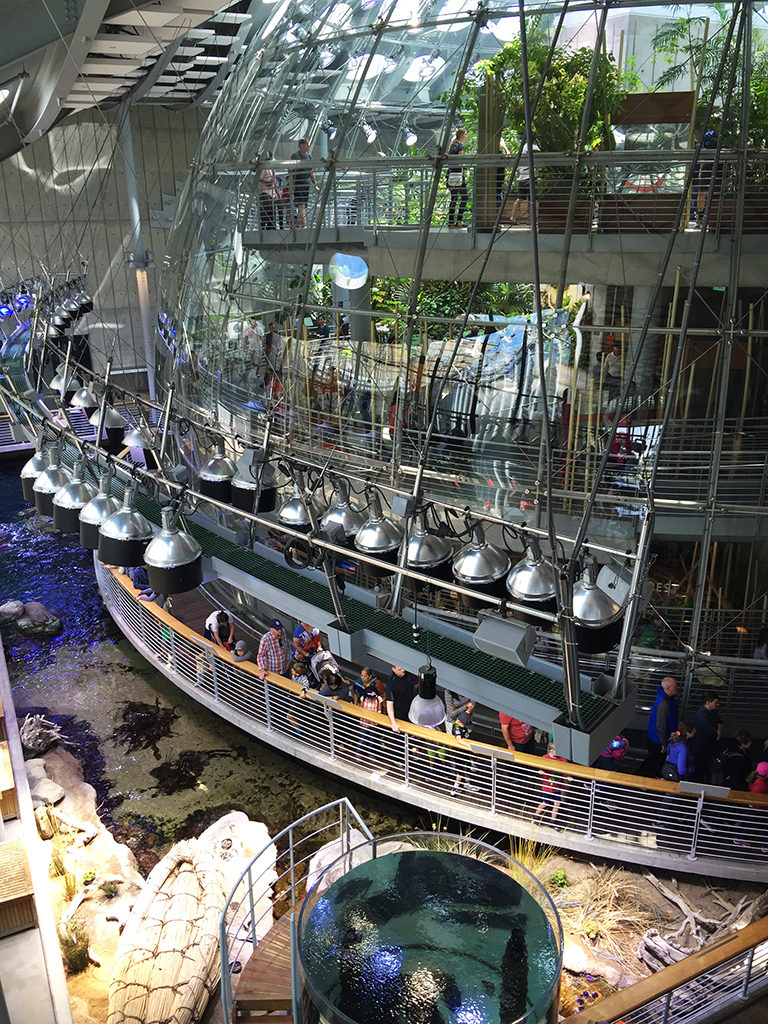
625, 207
682, 827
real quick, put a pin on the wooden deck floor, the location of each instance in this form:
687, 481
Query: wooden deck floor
193, 608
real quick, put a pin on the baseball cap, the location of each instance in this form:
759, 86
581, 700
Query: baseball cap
275, 624
762, 768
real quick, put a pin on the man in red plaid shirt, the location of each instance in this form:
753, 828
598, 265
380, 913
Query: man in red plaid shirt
274, 650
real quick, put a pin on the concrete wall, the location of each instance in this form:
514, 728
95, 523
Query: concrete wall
64, 210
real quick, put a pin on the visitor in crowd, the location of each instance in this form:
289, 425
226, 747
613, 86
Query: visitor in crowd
268, 197
661, 724
241, 651
737, 761
708, 726
679, 762
306, 642
457, 182
300, 674
758, 779
365, 681
220, 629
521, 208
140, 579
612, 754
333, 685
321, 328
300, 179
517, 735
761, 650
274, 654
455, 703
461, 727
552, 787
400, 688
371, 700
650, 635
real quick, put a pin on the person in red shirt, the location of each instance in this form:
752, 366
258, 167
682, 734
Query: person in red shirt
517, 735
551, 787
759, 784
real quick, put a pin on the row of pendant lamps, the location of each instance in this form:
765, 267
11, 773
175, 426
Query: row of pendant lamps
67, 312
121, 534
479, 565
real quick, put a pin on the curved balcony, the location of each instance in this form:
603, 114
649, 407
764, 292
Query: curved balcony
623, 817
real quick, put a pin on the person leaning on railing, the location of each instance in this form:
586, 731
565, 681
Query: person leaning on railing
274, 653
401, 687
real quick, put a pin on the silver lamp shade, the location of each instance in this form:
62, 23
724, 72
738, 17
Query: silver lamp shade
85, 303
597, 616
135, 437
294, 513
481, 565
533, 581
86, 400
72, 499
426, 707
428, 552
72, 307
379, 536
174, 559
246, 490
54, 332
96, 512
216, 476
123, 538
342, 512
113, 429
49, 482
65, 386
31, 470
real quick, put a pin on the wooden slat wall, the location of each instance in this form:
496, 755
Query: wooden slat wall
643, 108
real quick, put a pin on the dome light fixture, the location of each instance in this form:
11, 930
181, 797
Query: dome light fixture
533, 581
293, 512
426, 551
124, 536
113, 428
173, 558
342, 512
216, 475
427, 710
50, 481
97, 511
597, 616
32, 469
370, 133
411, 138
480, 564
379, 536
69, 502
86, 400
134, 437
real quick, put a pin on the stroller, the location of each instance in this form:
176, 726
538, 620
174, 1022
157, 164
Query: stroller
319, 663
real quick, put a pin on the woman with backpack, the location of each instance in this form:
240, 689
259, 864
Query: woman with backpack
679, 763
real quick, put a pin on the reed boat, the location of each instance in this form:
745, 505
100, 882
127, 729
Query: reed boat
167, 962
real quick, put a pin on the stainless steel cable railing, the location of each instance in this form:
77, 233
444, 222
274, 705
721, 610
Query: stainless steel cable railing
620, 816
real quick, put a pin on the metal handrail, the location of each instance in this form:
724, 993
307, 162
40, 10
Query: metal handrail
694, 990
239, 923
660, 823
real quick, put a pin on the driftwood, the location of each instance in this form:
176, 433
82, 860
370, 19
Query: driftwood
657, 950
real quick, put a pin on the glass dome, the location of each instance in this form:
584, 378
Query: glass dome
320, 189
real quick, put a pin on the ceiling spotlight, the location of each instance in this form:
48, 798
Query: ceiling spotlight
370, 133
331, 130
411, 138
173, 558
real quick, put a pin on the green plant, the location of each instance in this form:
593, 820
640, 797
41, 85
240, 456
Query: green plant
534, 857
74, 940
88, 877
591, 929
110, 889
57, 863
559, 879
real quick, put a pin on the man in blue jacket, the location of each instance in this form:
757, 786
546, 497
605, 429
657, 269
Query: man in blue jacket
662, 722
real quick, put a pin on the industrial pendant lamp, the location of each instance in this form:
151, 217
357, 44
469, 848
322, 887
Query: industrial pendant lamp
379, 536
533, 581
86, 400
173, 558
96, 512
481, 565
246, 489
113, 429
84, 302
428, 552
32, 469
426, 707
123, 538
65, 386
72, 499
597, 616
135, 437
216, 476
293, 512
342, 512
50, 481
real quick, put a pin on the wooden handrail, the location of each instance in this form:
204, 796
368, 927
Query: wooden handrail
572, 771
628, 1000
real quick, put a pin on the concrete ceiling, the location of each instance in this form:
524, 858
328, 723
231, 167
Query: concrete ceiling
67, 55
